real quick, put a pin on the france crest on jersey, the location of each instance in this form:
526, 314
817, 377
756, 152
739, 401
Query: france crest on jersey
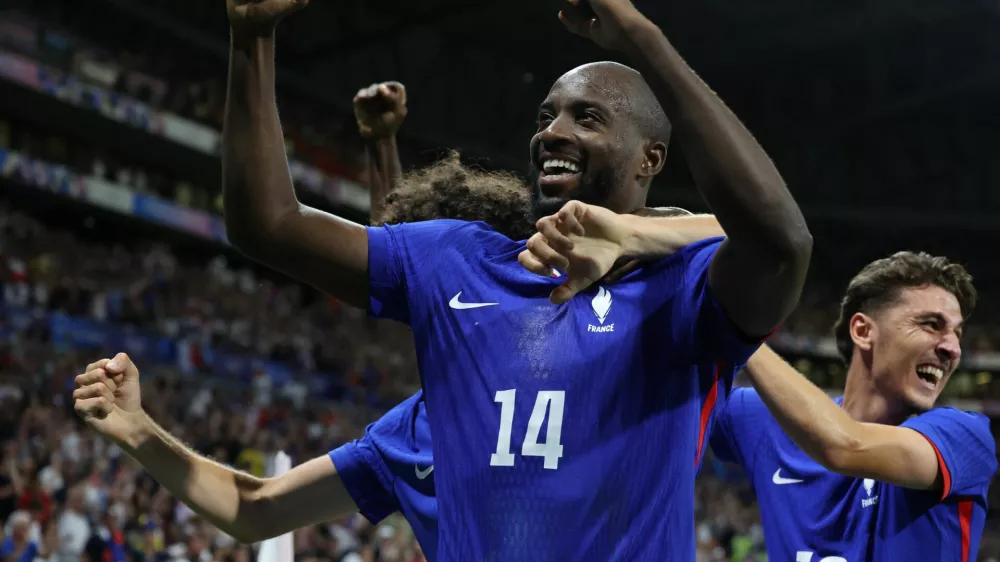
391, 469
561, 432
810, 514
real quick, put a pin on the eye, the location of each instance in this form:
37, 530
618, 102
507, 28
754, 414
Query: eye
588, 116
544, 118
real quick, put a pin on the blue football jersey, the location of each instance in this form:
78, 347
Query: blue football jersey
811, 514
561, 432
391, 469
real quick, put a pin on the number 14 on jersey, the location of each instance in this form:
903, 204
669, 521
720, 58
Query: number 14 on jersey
547, 401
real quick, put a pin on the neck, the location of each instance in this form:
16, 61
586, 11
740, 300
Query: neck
862, 399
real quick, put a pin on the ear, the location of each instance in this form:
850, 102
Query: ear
653, 159
863, 331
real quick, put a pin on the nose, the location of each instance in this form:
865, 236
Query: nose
558, 131
949, 348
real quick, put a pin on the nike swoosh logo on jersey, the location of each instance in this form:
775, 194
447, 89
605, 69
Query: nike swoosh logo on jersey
779, 480
422, 474
459, 305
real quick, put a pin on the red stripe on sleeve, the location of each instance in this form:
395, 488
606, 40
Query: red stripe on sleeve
945, 475
706, 412
965, 522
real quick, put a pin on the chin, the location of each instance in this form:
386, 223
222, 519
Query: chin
545, 206
918, 402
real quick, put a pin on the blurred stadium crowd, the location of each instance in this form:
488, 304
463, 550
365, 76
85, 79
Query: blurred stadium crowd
239, 362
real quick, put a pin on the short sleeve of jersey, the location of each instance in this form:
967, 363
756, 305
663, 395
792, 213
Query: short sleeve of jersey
366, 478
705, 325
965, 448
394, 253
740, 423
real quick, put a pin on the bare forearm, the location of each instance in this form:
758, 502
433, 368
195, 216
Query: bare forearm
828, 434
384, 172
221, 495
734, 174
814, 422
257, 187
657, 237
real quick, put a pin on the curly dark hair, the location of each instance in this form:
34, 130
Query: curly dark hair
450, 190
880, 283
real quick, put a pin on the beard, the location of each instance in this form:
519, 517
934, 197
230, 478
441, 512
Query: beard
594, 189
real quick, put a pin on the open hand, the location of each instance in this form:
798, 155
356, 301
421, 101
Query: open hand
380, 109
605, 22
260, 16
583, 240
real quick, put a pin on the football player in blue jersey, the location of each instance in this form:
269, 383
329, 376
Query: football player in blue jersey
878, 474
390, 468
535, 408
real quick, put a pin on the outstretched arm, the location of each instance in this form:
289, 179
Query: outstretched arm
379, 110
264, 220
757, 274
652, 238
887, 453
248, 508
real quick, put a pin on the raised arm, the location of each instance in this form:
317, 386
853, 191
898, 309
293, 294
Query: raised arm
379, 110
757, 274
264, 220
248, 508
887, 453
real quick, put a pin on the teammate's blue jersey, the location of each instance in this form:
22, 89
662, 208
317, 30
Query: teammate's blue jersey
391, 469
813, 515
567, 432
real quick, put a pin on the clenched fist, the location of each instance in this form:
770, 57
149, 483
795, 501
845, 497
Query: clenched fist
583, 240
260, 16
605, 22
107, 397
380, 109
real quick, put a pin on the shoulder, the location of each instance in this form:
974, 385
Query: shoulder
397, 420
693, 258
429, 237
436, 229
952, 417
743, 400
958, 430
746, 395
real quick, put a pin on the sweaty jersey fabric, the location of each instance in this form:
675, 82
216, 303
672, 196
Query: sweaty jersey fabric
391, 469
811, 514
561, 432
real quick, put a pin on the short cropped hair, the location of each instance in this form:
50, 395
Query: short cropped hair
880, 284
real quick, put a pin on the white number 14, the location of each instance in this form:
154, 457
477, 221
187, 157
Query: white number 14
552, 401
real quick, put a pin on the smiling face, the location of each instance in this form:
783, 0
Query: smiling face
913, 345
899, 329
590, 144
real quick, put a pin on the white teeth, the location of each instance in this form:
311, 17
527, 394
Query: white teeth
549, 165
931, 370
